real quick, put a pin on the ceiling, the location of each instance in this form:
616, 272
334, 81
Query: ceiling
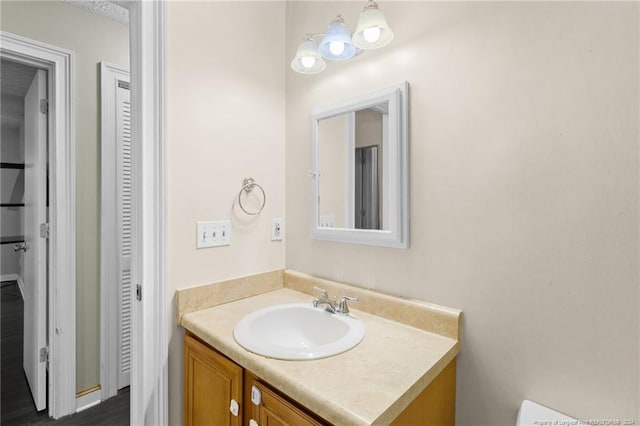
106, 9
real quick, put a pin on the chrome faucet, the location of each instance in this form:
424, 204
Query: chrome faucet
340, 308
323, 300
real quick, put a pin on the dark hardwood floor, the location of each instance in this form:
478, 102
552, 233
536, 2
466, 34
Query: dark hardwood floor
16, 404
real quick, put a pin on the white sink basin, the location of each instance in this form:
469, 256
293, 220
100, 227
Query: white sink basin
297, 331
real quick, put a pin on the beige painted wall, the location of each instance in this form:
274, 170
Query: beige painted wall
225, 122
369, 129
524, 191
93, 39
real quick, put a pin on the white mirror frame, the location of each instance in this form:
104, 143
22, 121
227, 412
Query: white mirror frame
395, 175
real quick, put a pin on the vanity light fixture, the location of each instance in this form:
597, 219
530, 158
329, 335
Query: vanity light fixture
372, 31
308, 60
338, 44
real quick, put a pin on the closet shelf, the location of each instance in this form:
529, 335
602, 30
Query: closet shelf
11, 165
12, 240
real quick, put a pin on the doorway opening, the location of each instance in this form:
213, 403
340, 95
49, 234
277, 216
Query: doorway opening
149, 339
24, 213
47, 222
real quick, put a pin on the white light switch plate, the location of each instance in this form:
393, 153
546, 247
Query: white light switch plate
327, 221
213, 234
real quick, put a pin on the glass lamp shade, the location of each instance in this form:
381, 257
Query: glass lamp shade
373, 31
308, 60
336, 44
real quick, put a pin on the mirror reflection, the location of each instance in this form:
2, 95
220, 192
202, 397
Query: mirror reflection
350, 182
360, 169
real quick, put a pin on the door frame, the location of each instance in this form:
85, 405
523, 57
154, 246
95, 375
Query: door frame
61, 275
150, 323
149, 363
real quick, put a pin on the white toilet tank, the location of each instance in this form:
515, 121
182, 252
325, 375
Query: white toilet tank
532, 414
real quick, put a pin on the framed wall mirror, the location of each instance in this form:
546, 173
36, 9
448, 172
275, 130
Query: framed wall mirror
360, 169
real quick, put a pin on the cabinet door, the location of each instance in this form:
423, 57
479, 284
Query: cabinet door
211, 383
276, 410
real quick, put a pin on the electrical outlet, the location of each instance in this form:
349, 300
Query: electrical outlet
213, 234
277, 230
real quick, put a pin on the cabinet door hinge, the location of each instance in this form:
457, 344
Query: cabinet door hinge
44, 106
44, 230
44, 354
138, 292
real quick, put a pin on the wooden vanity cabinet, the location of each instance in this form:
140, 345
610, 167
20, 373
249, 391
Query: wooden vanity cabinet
275, 409
212, 382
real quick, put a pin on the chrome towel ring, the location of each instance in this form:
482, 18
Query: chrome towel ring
248, 185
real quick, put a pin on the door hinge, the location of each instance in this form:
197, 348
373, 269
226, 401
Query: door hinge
138, 292
44, 354
44, 106
44, 230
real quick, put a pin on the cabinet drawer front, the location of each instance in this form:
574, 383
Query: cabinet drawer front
276, 410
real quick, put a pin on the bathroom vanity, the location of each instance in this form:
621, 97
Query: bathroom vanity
402, 372
239, 394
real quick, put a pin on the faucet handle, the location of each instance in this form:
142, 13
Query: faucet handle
323, 292
343, 308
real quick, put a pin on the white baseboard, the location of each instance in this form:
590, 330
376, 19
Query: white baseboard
88, 400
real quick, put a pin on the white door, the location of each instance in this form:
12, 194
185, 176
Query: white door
116, 231
123, 173
35, 257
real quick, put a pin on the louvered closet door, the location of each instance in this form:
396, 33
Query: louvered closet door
123, 122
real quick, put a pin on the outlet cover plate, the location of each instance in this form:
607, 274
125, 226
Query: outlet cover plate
277, 229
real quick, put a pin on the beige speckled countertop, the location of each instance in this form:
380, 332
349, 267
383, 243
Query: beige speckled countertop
368, 385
